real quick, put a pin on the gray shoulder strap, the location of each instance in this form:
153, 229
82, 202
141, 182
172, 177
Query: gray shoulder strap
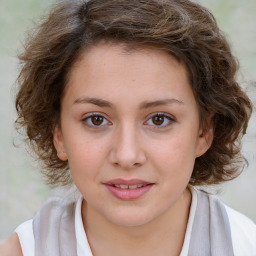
211, 234
54, 229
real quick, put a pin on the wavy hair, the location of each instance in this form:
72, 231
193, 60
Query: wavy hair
183, 28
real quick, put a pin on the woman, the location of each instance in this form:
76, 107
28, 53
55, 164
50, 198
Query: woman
136, 102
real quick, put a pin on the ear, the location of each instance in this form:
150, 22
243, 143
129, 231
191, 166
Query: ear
59, 143
205, 136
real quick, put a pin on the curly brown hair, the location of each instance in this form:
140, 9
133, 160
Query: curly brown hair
183, 28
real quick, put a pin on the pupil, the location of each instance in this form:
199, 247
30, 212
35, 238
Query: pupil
97, 120
158, 120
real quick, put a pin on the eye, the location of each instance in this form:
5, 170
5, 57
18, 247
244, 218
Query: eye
95, 120
160, 120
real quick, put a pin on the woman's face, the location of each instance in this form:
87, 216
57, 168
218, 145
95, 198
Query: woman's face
130, 130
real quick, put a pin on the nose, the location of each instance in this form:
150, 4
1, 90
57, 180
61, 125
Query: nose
127, 150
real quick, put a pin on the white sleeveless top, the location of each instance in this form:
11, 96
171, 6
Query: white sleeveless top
243, 232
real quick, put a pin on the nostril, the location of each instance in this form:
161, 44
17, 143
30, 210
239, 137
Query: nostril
126, 157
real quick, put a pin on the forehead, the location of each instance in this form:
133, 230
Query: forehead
105, 53
107, 68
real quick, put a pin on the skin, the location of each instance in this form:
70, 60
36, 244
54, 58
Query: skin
128, 144
11, 246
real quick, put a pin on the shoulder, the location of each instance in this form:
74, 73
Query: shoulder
26, 237
243, 232
11, 246
240, 222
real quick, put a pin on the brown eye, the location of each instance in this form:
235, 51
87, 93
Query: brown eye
158, 120
97, 120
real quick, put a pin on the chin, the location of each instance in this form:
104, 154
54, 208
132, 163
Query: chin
129, 218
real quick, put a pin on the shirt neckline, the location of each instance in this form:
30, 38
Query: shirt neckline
83, 247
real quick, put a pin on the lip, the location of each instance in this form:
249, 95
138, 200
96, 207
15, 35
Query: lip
128, 194
127, 182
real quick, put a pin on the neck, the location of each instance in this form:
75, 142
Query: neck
162, 236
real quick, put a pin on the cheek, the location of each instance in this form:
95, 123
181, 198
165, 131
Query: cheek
175, 156
85, 162
85, 158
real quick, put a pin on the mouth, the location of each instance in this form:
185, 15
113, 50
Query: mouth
123, 186
128, 189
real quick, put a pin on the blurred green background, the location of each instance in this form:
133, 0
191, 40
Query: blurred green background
21, 186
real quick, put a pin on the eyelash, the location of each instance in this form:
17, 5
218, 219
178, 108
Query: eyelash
166, 117
88, 117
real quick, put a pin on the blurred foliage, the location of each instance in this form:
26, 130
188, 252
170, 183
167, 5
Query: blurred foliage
237, 19
16, 17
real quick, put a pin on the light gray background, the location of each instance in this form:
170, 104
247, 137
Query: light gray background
21, 188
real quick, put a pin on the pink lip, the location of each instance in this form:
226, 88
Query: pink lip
127, 182
128, 194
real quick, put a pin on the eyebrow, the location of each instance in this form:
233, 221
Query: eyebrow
95, 101
159, 103
143, 105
